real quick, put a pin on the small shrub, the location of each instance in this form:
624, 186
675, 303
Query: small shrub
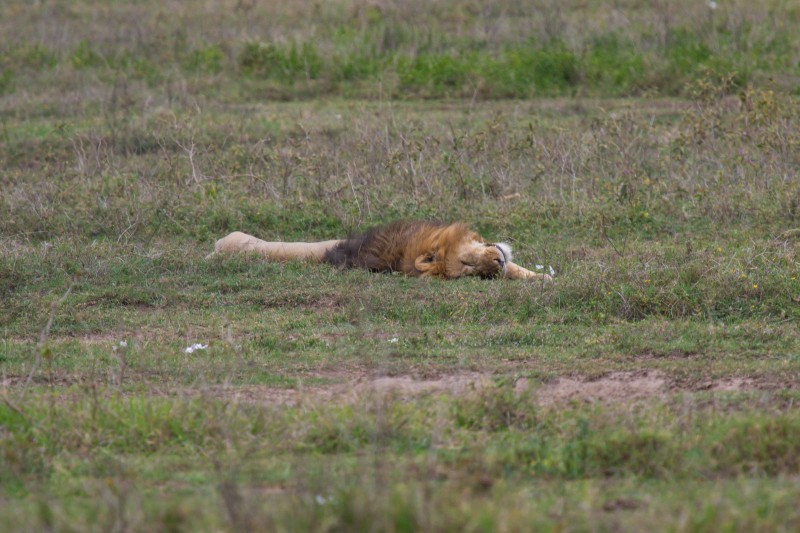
435, 74
206, 60
351, 67
6, 81
612, 65
84, 56
33, 57
768, 445
494, 410
530, 70
689, 58
263, 60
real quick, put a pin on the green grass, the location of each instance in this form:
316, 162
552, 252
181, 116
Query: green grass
404, 465
674, 259
670, 218
435, 49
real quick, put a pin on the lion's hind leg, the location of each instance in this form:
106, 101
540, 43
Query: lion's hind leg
276, 251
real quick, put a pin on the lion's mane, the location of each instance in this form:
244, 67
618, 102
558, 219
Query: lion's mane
396, 246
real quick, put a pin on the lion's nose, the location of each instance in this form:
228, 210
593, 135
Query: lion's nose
502, 259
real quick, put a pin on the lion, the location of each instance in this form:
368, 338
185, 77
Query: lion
415, 248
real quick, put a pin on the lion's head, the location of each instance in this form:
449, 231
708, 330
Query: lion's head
464, 254
486, 260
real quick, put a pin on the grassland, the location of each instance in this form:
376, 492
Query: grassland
648, 151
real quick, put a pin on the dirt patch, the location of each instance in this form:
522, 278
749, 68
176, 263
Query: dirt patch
354, 387
616, 386
461, 383
610, 388
326, 302
731, 385
109, 338
622, 504
19, 381
89, 339
378, 335
351, 385
675, 355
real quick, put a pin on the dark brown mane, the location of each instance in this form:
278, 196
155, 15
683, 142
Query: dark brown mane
382, 248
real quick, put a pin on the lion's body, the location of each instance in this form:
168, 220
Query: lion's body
415, 248
395, 247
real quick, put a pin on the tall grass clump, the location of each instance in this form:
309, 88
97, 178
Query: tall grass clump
285, 63
531, 70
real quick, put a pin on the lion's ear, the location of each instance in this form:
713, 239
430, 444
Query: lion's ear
424, 262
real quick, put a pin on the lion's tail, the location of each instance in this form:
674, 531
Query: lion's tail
276, 251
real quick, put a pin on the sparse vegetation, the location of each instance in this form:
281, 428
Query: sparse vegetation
138, 133
406, 50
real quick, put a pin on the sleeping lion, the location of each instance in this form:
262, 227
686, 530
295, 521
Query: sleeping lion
414, 248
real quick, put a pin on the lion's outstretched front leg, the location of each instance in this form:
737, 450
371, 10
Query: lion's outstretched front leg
276, 251
514, 271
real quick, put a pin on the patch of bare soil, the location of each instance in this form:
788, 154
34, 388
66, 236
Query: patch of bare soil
460, 383
616, 386
353, 384
613, 387
731, 384
355, 387
19, 381
379, 335
90, 339
325, 302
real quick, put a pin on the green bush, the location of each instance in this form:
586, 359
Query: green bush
435, 74
208, 59
84, 56
688, 58
6, 80
357, 66
30, 56
613, 65
284, 63
531, 70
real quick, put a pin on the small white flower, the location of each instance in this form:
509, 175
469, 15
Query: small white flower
121, 344
549, 269
320, 499
711, 5
196, 346
393, 340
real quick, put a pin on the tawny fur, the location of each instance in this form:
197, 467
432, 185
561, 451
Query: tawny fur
413, 247
277, 251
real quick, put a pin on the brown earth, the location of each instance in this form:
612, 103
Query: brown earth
349, 386
613, 387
